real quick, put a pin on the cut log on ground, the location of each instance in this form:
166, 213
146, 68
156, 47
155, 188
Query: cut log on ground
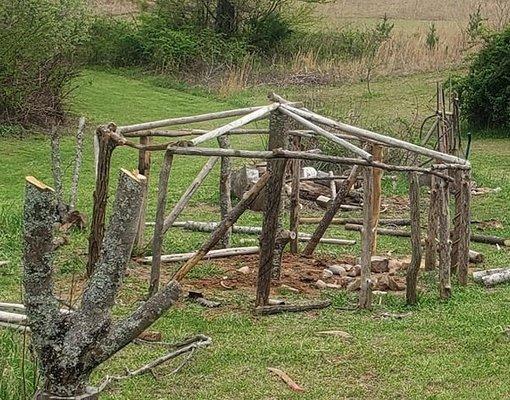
254, 230
356, 221
496, 278
219, 253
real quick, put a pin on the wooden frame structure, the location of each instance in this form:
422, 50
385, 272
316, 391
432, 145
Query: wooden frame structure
284, 148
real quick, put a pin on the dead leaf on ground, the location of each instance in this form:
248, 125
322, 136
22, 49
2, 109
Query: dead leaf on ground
286, 378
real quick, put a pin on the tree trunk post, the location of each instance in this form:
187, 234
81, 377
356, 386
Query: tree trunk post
97, 227
443, 236
278, 136
432, 221
464, 210
225, 188
365, 294
330, 213
377, 153
294, 199
157, 241
144, 167
414, 266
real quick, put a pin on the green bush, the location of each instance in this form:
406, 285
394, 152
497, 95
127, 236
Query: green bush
113, 42
485, 91
39, 55
264, 35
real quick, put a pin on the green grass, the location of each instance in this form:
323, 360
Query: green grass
443, 350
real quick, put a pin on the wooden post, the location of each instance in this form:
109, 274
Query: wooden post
97, 226
414, 266
377, 154
294, 199
457, 220
365, 294
330, 213
443, 236
157, 240
271, 222
225, 188
332, 185
464, 210
144, 167
431, 241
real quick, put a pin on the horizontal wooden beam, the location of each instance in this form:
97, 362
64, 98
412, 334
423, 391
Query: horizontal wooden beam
304, 155
186, 120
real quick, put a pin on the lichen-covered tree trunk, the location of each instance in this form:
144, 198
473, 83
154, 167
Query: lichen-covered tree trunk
70, 346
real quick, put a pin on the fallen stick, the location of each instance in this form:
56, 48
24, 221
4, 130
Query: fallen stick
253, 230
277, 309
230, 252
286, 378
356, 221
401, 233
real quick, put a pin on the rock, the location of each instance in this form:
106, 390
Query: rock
321, 284
395, 285
339, 269
244, 270
327, 273
355, 271
379, 292
398, 265
276, 302
379, 264
354, 285
289, 288
151, 336
382, 284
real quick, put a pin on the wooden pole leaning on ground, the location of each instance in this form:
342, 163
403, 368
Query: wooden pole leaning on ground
294, 197
365, 293
414, 266
330, 213
377, 154
225, 188
443, 237
144, 167
271, 223
225, 225
432, 226
97, 227
157, 240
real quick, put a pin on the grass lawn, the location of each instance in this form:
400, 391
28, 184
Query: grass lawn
443, 350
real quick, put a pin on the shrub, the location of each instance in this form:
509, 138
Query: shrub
113, 42
265, 34
39, 55
485, 91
